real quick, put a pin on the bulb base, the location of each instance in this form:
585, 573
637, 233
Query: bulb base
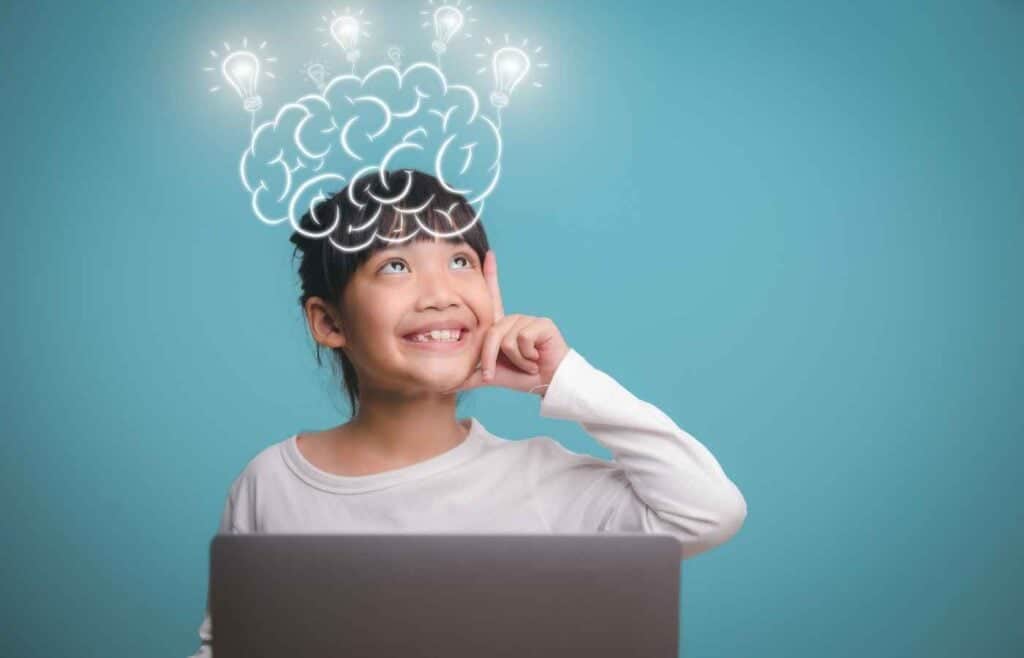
439, 47
499, 99
352, 56
252, 104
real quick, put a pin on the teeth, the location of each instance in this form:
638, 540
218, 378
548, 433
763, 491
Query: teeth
442, 335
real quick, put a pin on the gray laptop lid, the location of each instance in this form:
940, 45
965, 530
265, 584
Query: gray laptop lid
445, 595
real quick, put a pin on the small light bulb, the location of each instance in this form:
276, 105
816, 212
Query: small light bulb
510, 66
242, 71
345, 30
447, 21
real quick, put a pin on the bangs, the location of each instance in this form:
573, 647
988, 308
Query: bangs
406, 206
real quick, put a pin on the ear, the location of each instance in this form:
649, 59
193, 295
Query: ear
324, 323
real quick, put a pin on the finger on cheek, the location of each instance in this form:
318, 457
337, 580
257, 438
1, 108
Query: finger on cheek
489, 357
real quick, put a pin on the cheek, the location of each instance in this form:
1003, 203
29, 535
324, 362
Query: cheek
484, 313
377, 325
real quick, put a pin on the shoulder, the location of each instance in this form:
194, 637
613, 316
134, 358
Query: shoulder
556, 475
266, 464
546, 457
247, 490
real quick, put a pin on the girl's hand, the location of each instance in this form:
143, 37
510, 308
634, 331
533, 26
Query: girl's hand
520, 352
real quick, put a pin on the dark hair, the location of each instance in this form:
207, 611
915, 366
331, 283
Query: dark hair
325, 269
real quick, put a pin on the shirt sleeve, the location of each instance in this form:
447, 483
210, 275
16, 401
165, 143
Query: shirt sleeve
662, 480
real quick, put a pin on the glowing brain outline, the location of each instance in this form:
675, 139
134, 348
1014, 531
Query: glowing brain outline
297, 159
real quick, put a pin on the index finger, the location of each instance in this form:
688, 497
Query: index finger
491, 275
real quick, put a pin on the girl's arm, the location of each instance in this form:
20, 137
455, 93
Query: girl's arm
662, 480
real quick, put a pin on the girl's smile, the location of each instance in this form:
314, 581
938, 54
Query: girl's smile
442, 346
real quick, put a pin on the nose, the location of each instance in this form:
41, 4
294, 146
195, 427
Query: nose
436, 289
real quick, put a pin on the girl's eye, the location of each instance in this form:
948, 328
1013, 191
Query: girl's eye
469, 263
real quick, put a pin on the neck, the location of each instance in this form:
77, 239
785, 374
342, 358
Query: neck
405, 429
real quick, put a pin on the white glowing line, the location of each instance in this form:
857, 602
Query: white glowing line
298, 129
312, 212
299, 164
241, 170
390, 154
415, 110
490, 188
401, 75
306, 152
298, 193
383, 181
497, 136
355, 179
469, 157
339, 80
344, 138
438, 170
444, 116
435, 69
259, 214
373, 219
413, 211
354, 249
287, 174
421, 129
446, 215
383, 106
384, 200
460, 231
472, 96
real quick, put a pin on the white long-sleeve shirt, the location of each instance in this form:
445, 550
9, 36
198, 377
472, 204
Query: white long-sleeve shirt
661, 480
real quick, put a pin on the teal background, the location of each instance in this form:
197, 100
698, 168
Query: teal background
796, 227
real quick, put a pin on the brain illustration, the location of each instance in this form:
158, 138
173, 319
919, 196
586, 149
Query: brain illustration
362, 127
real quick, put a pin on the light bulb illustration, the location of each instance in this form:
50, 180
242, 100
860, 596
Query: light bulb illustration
347, 31
317, 73
447, 21
242, 70
510, 66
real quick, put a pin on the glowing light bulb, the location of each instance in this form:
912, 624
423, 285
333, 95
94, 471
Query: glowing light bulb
510, 66
345, 30
242, 71
447, 21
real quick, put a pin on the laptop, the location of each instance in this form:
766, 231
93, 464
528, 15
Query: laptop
445, 595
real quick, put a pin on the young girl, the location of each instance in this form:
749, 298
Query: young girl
414, 320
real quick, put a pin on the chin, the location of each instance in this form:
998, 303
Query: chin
445, 377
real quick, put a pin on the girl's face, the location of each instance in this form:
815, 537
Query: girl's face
398, 290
